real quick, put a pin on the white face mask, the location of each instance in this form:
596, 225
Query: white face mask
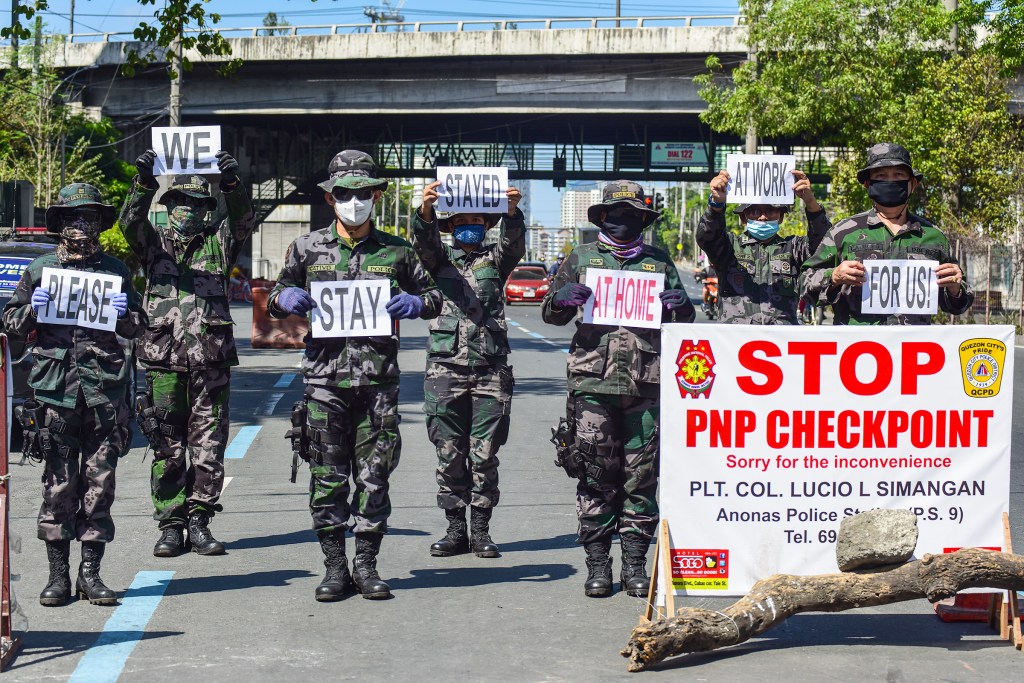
354, 212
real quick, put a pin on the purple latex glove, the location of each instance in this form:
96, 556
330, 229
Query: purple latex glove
295, 300
573, 294
120, 303
404, 305
674, 298
40, 297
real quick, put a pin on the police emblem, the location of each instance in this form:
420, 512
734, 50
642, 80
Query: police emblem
981, 364
696, 373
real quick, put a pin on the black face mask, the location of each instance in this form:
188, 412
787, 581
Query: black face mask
626, 228
889, 193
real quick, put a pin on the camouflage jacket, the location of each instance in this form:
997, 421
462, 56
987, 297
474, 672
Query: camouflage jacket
186, 284
757, 281
604, 359
71, 360
471, 329
324, 256
865, 236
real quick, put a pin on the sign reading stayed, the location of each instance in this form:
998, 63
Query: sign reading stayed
79, 298
472, 189
900, 286
350, 308
624, 297
760, 179
186, 150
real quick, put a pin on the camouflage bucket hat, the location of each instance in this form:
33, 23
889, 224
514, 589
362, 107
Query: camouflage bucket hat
77, 195
191, 186
353, 170
886, 154
444, 222
743, 207
619, 193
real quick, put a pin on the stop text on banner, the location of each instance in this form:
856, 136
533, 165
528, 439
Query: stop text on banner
760, 178
350, 308
79, 298
190, 149
472, 189
624, 297
900, 286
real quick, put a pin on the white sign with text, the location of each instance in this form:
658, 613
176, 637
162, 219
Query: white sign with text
624, 297
186, 150
900, 286
350, 308
472, 189
79, 298
760, 179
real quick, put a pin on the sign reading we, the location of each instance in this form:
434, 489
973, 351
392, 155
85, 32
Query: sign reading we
186, 150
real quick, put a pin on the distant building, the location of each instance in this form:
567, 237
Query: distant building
575, 204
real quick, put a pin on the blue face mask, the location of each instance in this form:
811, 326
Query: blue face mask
762, 230
469, 234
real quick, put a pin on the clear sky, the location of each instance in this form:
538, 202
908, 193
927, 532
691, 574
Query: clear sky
112, 16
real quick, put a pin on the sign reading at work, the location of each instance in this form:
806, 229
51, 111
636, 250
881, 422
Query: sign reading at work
900, 286
350, 308
760, 179
624, 297
472, 189
186, 150
79, 298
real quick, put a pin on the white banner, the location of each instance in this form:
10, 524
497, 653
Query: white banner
186, 150
760, 179
624, 297
770, 436
678, 154
472, 189
79, 298
899, 286
350, 308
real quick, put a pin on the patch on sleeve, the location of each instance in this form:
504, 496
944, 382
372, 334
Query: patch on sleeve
384, 270
649, 267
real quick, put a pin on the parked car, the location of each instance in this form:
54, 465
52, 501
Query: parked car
527, 283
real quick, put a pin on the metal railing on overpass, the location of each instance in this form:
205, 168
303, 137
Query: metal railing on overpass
451, 26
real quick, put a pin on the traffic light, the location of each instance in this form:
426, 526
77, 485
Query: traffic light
648, 202
659, 202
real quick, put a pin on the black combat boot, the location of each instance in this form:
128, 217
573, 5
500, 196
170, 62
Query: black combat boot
58, 589
199, 534
90, 585
633, 576
171, 542
364, 567
456, 541
337, 581
599, 568
479, 524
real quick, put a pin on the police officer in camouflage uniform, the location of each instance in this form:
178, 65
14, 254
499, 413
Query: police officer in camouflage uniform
835, 273
758, 270
189, 347
613, 399
78, 421
351, 405
468, 384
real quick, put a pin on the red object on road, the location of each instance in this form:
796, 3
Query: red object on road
527, 283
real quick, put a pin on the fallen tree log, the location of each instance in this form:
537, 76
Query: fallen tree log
774, 599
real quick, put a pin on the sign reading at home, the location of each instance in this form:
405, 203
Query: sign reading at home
760, 179
186, 150
81, 299
900, 286
624, 297
472, 189
350, 308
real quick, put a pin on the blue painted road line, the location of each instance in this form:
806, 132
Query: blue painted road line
105, 660
285, 381
240, 444
536, 336
513, 323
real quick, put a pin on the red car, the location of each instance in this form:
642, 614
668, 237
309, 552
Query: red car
526, 283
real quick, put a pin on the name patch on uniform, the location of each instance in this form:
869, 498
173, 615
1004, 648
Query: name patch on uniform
319, 267
649, 267
386, 270
596, 262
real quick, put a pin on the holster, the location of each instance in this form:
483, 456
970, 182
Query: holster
156, 424
38, 432
564, 438
297, 434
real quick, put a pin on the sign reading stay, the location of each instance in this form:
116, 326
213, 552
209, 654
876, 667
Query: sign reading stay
472, 189
760, 179
900, 286
624, 297
79, 298
186, 150
350, 308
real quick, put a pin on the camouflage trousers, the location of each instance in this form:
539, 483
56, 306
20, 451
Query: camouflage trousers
618, 436
188, 468
352, 433
78, 490
467, 415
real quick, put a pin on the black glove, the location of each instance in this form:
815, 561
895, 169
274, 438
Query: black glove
572, 295
227, 164
674, 298
145, 164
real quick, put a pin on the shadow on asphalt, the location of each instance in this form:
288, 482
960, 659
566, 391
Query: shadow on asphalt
302, 536
44, 646
556, 543
232, 582
456, 577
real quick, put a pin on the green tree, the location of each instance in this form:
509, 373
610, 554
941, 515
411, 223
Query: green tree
275, 23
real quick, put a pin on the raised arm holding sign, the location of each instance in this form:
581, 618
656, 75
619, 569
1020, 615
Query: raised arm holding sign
186, 150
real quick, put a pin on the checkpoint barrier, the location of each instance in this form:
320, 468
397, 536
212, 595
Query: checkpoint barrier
268, 333
9, 644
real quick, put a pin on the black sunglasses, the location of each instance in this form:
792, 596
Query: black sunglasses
90, 215
343, 194
620, 212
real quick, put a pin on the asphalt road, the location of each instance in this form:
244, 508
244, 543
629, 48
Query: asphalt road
250, 615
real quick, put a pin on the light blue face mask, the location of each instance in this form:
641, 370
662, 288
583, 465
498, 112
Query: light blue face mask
762, 230
469, 234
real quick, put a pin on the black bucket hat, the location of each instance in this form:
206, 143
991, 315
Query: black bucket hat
743, 207
622, 193
353, 170
74, 196
490, 220
886, 154
191, 186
